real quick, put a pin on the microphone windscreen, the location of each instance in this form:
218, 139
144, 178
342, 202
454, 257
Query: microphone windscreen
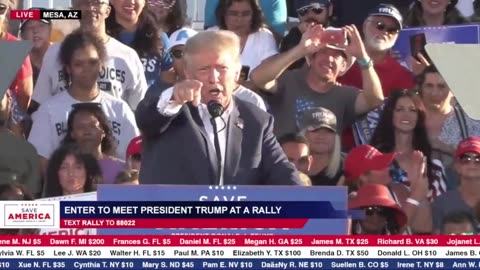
215, 108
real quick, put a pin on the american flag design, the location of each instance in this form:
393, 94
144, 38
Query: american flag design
302, 105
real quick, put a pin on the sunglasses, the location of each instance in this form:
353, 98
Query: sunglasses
317, 11
3, 9
470, 158
301, 161
379, 211
178, 54
384, 28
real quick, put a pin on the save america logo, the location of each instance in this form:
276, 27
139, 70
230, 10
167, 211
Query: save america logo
28, 214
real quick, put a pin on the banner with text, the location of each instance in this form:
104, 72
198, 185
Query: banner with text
327, 216
364, 127
453, 34
90, 196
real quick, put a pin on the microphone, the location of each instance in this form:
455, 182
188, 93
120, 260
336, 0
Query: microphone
216, 110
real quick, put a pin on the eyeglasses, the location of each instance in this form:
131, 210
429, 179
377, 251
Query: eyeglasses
317, 11
3, 9
380, 211
302, 161
178, 54
384, 28
470, 158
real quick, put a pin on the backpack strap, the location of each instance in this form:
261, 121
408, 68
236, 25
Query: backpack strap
462, 122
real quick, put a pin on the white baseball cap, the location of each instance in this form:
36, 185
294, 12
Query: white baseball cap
181, 36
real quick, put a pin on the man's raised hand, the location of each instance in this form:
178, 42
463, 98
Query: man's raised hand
188, 91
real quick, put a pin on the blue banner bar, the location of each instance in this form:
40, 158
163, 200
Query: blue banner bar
336, 195
176, 209
227, 264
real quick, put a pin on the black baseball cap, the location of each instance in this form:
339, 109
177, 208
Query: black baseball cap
388, 11
316, 118
301, 4
45, 21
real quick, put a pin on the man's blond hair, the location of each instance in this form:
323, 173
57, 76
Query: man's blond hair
215, 41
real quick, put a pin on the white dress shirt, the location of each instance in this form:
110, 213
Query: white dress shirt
168, 108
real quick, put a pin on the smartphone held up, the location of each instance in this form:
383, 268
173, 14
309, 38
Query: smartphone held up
417, 46
335, 36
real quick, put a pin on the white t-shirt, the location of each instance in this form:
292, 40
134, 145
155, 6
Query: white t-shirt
50, 122
248, 95
259, 46
122, 76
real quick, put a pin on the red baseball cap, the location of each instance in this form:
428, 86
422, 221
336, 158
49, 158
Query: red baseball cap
134, 147
371, 195
365, 158
470, 144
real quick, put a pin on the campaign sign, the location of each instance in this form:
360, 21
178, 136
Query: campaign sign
453, 34
364, 127
90, 196
337, 196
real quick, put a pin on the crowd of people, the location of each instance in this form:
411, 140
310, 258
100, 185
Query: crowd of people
124, 99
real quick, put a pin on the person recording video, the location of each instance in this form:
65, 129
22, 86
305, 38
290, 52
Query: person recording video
198, 132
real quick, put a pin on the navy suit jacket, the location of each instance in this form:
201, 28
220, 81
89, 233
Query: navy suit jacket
176, 149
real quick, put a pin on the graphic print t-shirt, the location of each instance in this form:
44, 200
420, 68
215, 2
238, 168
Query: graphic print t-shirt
295, 96
50, 122
152, 64
122, 75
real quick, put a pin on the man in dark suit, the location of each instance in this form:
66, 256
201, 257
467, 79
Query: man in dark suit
198, 133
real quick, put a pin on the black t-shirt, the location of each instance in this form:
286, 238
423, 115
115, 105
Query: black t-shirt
321, 179
35, 73
291, 40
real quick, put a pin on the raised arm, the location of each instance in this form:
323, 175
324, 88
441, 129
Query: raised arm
266, 74
154, 115
372, 95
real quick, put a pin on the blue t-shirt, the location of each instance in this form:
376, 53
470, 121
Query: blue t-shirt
151, 63
275, 12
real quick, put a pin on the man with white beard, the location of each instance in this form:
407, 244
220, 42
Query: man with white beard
380, 30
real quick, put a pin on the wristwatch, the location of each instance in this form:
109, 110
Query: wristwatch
365, 63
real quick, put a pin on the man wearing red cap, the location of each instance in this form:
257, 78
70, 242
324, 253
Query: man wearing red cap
366, 165
467, 195
383, 215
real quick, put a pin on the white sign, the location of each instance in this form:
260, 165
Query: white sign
458, 64
91, 196
29, 214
